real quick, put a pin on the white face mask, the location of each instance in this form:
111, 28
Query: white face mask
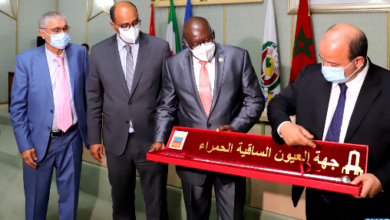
129, 36
204, 52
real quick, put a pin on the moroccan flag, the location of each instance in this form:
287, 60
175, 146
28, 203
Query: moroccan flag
172, 31
270, 75
151, 29
303, 53
187, 16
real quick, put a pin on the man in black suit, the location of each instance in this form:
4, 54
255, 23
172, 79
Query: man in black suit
124, 90
346, 100
209, 86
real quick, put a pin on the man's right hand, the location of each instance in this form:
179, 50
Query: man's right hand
97, 152
29, 156
157, 147
296, 135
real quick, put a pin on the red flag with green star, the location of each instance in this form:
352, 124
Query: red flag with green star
303, 53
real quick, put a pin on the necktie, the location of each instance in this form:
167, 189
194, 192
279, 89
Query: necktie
337, 120
63, 109
333, 133
129, 67
205, 88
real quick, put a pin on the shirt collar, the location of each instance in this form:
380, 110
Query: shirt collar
196, 61
51, 56
121, 43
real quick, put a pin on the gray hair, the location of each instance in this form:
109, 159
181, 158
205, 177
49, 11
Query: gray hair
49, 16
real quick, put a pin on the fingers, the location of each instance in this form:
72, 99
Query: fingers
295, 135
33, 154
226, 128
222, 128
101, 153
29, 161
365, 188
28, 157
157, 147
95, 153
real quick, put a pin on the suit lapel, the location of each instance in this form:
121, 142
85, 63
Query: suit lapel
219, 74
190, 76
143, 54
116, 63
368, 93
42, 61
324, 88
71, 60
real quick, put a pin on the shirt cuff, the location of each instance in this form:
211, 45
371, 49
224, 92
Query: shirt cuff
278, 130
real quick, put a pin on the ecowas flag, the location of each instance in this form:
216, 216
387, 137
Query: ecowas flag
172, 31
270, 75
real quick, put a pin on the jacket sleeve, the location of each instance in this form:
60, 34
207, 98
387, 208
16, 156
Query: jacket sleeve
283, 105
18, 108
253, 98
167, 110
94, 102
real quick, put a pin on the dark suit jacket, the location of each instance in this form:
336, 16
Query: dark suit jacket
235, 83
108, 96
308, 97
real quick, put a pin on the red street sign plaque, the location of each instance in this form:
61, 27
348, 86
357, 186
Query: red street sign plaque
330, 166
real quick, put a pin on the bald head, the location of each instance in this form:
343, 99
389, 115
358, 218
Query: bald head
347, 37
122, 8
197, 30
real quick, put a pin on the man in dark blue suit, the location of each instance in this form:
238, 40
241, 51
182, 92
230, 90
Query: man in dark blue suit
48, 114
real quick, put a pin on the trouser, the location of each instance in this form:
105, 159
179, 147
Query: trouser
64, 154
122, 176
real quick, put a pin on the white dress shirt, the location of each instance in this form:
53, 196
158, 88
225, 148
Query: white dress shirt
351, 96
53, 68
210, 66
123, 56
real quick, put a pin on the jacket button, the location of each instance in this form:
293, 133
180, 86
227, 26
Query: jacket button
127, 122
48, 128
130, 103
51, 111
208, 125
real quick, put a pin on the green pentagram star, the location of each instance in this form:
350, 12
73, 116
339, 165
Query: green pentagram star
307, 42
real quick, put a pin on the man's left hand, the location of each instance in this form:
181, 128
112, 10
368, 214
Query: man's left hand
226, 128
371, 185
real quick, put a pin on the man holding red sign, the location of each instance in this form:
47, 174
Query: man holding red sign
209, 86
345, 99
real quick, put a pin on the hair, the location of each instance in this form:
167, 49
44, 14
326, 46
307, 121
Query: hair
48, 16
358, 44
112, 10
85, 45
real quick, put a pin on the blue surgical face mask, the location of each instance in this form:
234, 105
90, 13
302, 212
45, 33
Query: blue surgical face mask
59, 41
336, 74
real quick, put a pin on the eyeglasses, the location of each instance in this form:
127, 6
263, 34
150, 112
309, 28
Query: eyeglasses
127, 26
195, 45
58, 30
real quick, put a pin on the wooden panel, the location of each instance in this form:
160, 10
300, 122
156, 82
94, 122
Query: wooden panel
165, 3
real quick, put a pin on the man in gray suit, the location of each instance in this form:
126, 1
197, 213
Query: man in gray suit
209, 86
124, 90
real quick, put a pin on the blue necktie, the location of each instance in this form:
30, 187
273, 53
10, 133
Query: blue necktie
334, 130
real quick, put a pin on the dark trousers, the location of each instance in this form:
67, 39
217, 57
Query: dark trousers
230, 198
345, 207
122, 174
64, 154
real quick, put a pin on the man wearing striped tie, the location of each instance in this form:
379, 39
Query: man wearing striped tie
123, 93
345, 99
48, 115
206, 87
